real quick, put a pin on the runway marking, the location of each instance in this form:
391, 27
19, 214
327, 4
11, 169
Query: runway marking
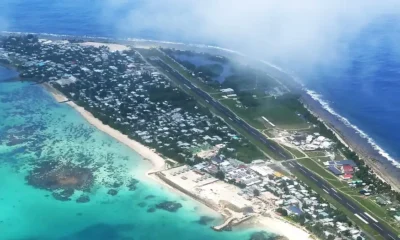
378, 227
362, 219
334, 190
373, 219
314, 178
281, 154
350, 206
325, 191
302, 170
391, 237
291, 165
338, 196
273, 147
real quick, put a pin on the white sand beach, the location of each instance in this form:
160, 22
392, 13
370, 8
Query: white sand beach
209, 193
113, 47
283, 228
157, 161
147, 153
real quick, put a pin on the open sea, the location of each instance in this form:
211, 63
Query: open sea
365, 95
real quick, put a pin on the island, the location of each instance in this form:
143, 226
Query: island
225, 133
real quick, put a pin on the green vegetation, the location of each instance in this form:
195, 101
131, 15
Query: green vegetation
287, 111
274, 109
366, 203
296, 153
339, 206
220, 175
253, 151
250, 85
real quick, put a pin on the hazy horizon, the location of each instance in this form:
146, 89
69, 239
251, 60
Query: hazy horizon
310, 33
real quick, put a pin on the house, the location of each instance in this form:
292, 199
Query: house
227, 90
347, 176
346, 162
347, 169
334, 170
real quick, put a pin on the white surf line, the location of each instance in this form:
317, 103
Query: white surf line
378, 226
334, 190
373, 219
362, 219
350, 206
325, 190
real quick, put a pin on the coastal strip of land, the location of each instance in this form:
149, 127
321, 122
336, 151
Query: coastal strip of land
210, 199
236, 176
147, 153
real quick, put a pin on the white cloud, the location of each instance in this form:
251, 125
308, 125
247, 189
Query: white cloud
306, 32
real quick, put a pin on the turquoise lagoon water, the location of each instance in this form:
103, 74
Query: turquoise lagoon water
43, 129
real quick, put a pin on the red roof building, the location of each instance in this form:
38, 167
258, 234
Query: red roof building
347, 176
347, 169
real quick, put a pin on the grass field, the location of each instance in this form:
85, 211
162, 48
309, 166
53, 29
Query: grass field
265, 150
366, 203
296, 153
272, 109
281, 116
275, 111
339, 206
316, 154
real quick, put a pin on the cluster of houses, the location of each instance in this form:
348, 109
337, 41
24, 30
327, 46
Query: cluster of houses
228, 93
310, 142
292, 195
343, 168
124, 91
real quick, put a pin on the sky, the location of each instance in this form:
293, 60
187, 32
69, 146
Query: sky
307, 32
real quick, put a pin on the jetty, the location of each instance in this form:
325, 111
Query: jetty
224, 224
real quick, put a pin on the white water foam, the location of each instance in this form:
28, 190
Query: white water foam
314, 95
318, 97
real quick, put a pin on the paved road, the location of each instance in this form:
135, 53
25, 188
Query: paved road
357, 211
352, 207
228, 113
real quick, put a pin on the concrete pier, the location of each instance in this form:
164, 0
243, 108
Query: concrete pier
224, 224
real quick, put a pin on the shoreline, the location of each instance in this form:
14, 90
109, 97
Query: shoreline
146, 153
381, 164
382, 167
271, 224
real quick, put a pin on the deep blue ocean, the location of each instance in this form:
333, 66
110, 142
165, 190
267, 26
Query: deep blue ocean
365, 91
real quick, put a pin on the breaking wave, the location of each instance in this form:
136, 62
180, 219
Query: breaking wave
314, 95
318, 97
